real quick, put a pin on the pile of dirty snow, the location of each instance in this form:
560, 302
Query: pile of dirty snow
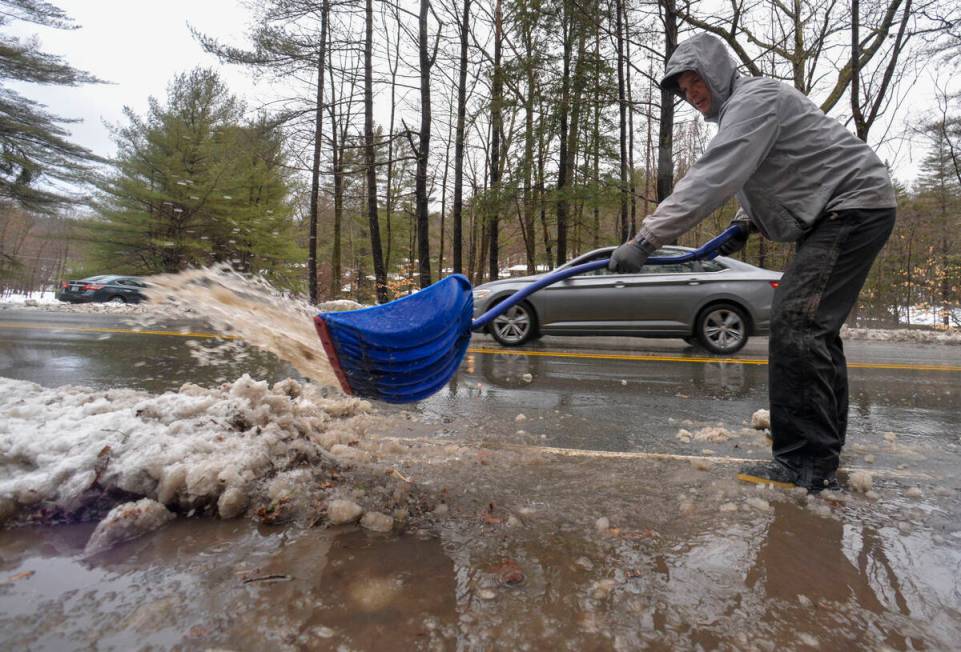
948, 336
198, 448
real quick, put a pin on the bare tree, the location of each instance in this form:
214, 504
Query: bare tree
370, 155
458, 208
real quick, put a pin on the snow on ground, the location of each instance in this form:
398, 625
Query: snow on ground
947, 336
244, 447
46, 297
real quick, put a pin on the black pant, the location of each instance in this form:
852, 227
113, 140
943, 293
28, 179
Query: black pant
808, 381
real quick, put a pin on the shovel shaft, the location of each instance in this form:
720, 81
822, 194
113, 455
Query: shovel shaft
707, 251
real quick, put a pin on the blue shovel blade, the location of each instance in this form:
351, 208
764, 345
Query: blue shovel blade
404, 350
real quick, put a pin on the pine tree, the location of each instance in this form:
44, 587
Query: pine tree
194, 184
40, 168
940, 195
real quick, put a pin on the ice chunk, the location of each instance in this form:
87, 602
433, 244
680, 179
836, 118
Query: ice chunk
861, 481
340, 512
376, 522
126, 522
808, 640
759, 503
602, 589
713, 434
584, 563
348, 454
761, 420
232, 503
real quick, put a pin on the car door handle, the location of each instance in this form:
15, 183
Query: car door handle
694, 282
620, 284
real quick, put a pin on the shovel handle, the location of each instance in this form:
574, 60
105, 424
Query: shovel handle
707, 251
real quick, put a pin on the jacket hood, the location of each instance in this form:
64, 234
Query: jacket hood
706, 55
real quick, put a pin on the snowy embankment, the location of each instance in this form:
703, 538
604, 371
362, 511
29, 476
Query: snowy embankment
71, 453
925, 336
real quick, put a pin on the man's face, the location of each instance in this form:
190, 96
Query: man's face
695, 91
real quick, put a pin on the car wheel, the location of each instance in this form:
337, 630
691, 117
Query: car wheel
515, 327
722, 328
117, 299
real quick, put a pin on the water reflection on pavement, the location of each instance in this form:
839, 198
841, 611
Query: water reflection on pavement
685, 558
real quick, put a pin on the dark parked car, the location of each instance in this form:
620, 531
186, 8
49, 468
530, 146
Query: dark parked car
105, 288
717, 303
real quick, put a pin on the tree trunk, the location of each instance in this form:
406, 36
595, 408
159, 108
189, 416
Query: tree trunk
370, 156
315, 165
423, 150
457, 216
443, 195
497, 100
622, 124
563, 163
596, 138
389, 181
542, 193
337, 155
665, 143
632, 182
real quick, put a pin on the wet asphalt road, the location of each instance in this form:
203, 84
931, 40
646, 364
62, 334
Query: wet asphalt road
610, 394
691, 560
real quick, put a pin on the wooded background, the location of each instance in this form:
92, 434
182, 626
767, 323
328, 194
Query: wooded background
411, 140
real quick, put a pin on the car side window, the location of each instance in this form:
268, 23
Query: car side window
688, 267
602, 271
712, 266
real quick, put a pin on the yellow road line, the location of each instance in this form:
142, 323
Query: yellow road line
699, 359
90, 329
487, 351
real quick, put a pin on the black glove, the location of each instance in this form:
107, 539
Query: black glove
738, 240
631, 256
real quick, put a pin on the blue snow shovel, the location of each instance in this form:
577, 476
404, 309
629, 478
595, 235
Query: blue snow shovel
407, 349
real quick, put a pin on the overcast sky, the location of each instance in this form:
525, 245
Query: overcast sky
139, 45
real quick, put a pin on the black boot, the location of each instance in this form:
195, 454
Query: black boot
782, 477
769, 473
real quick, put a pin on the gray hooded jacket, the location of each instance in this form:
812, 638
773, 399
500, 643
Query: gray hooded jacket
785, 161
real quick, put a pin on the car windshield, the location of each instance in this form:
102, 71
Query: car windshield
101, 277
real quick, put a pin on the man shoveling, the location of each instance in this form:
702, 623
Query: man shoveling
801, 177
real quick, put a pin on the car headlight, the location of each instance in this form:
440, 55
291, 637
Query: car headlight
481, 294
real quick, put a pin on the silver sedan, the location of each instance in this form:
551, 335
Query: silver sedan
717, 303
